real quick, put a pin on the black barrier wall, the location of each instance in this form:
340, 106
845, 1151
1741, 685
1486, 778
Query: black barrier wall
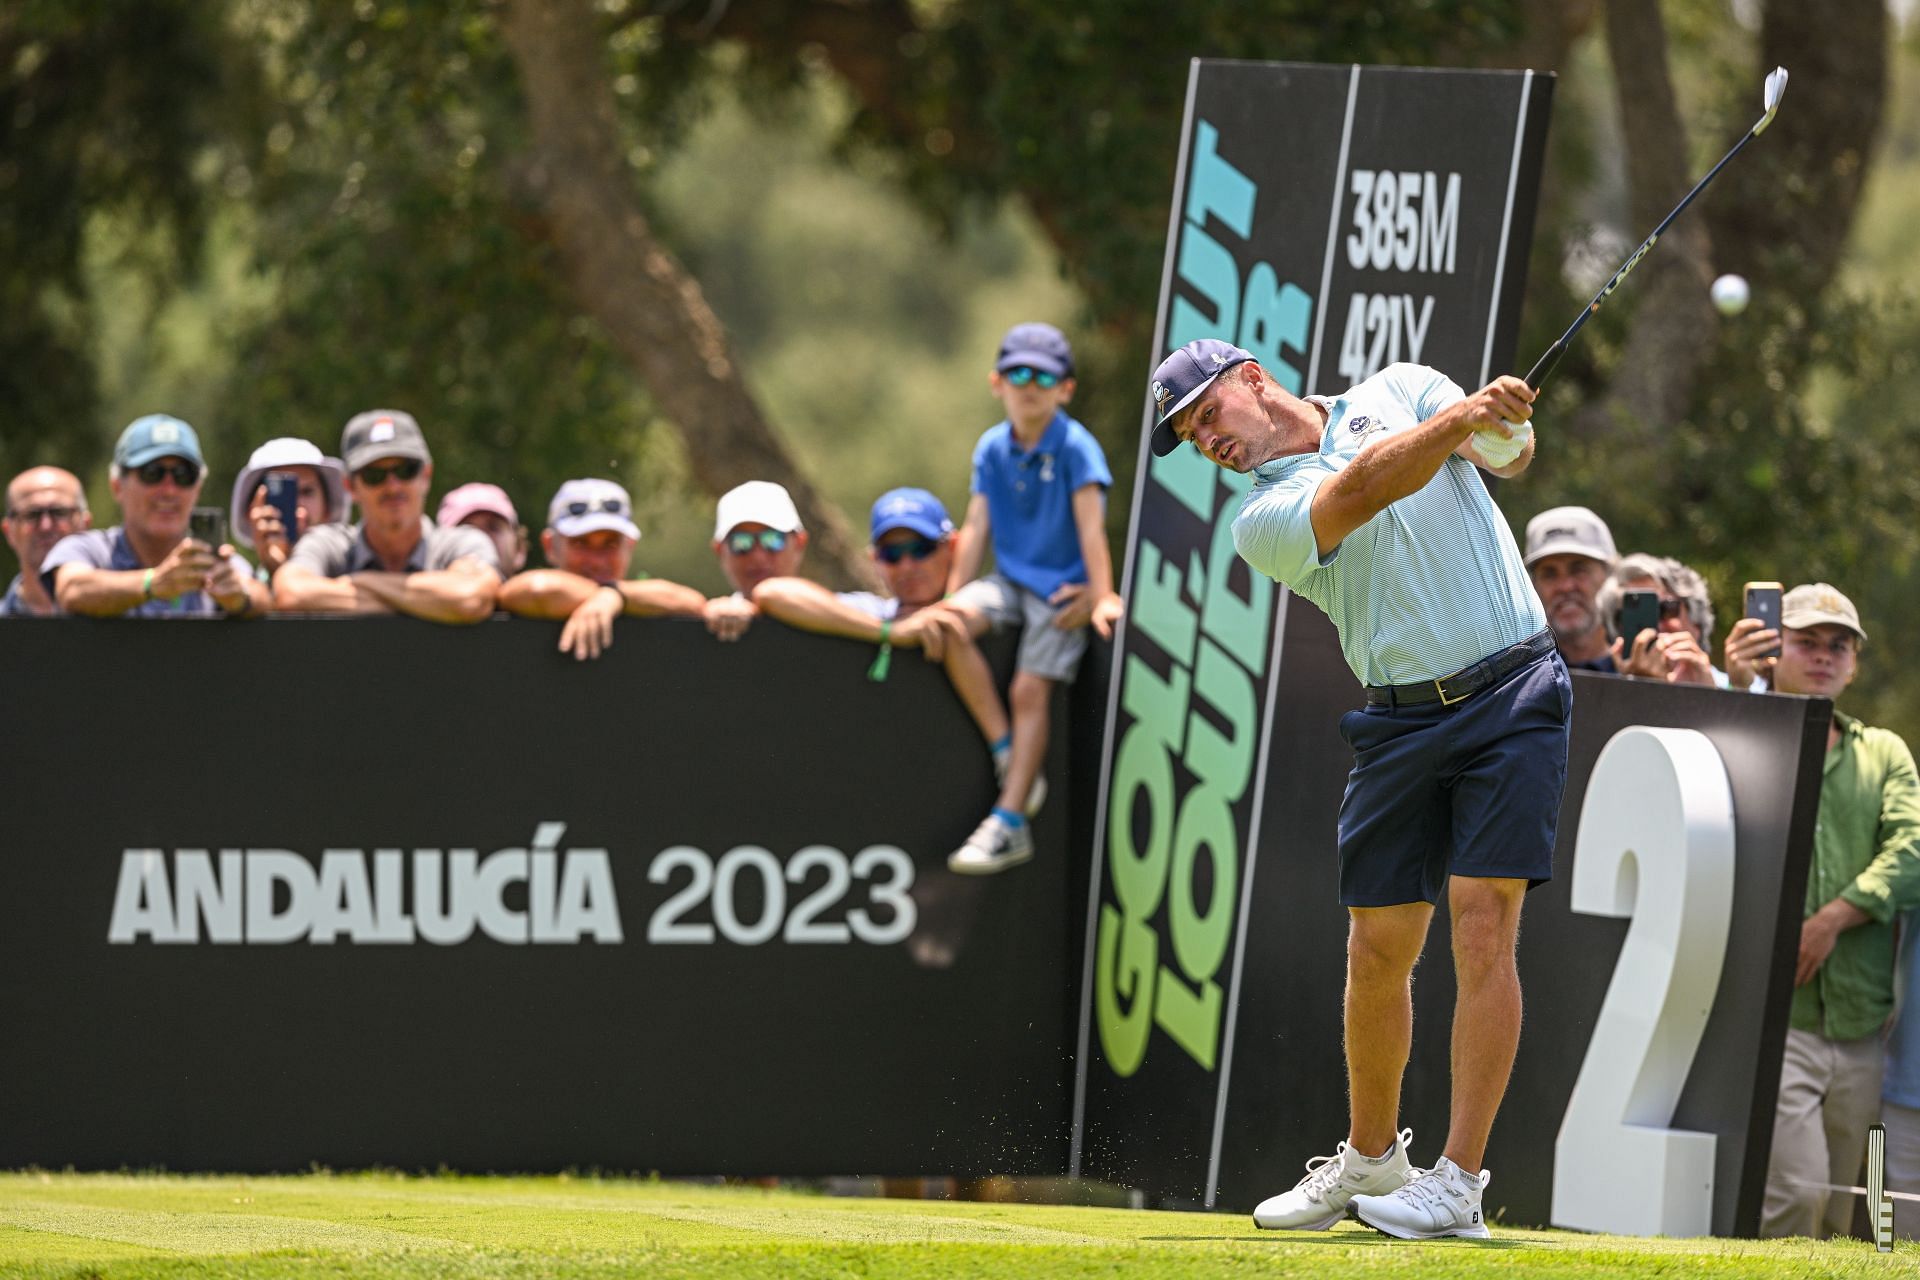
1285, 1096
375, 892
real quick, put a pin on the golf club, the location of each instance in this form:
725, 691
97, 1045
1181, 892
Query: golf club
1543, 368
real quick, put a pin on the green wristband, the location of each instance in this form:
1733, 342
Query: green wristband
883, 662
146, 586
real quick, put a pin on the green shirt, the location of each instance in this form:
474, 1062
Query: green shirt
1866, 849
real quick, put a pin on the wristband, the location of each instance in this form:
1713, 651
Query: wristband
146, 586
883, 662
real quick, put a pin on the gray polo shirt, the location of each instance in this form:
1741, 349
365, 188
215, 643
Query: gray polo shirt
335, 550
11, 605
109, 549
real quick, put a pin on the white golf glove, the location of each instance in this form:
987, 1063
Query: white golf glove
1497, 450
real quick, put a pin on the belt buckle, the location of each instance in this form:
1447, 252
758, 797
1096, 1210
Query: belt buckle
1440, 687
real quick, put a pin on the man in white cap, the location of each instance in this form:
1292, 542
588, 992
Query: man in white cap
487, 507
589, 541
757, 535
149, 565
1866, 870
1570, 552
395, 560
320, 488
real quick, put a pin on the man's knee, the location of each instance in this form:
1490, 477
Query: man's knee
1486, 925
1384, 944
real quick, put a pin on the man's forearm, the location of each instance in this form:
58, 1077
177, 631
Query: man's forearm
434, 595
101, 593
298, 590
1402, 464
654, 597
811, 607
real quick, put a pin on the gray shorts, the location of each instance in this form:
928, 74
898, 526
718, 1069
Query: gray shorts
1045, 650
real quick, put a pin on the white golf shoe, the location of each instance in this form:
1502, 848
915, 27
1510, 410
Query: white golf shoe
1321, 1198
1441, 1201
994, 846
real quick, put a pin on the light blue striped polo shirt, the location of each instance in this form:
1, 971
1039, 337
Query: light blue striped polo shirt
1433, 583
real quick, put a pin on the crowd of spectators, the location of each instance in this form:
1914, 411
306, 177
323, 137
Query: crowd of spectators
1852, 1054
1037, 500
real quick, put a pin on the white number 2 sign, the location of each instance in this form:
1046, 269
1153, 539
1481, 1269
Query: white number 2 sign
1655, 844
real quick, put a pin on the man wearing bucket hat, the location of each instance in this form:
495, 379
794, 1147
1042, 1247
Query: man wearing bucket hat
589, 541
1368, 504
148, 566
1866, 870
913, 551
395, 560
321, 488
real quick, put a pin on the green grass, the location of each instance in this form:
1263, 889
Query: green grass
448, 1228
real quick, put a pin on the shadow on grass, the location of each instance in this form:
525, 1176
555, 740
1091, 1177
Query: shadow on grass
1343, 1238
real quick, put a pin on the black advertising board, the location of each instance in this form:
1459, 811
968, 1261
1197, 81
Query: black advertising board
1288, 1098
377, 892
1331, 220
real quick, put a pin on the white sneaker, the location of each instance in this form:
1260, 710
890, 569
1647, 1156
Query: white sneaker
1441, 1201
1036, 794
993, 846
1320, 1199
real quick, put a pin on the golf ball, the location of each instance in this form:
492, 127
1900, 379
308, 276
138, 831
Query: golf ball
1730, 294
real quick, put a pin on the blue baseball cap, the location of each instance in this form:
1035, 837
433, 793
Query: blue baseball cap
914, 509
1038, 346
157, 436
1179, 381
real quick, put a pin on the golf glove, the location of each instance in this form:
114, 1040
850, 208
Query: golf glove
1498, 450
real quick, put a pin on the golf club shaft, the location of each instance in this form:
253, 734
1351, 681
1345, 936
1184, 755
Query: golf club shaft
1544, 366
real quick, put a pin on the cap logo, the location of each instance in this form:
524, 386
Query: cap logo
1830, 602
1556, 533
382, 431
1161, 394
1219, 361
165, 433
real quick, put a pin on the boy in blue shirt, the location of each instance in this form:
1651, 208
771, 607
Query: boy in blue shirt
1039, 490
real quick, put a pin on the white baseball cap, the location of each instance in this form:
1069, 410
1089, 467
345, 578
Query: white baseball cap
755, 502
585, 506
1570, 531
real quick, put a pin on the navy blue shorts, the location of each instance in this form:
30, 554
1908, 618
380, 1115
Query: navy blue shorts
1467, 790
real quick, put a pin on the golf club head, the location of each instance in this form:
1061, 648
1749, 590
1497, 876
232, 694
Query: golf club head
1775, 90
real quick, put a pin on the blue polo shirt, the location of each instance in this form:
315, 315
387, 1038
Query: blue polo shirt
1029, 496
1431, 584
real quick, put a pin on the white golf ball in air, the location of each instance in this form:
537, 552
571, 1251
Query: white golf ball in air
1730, 294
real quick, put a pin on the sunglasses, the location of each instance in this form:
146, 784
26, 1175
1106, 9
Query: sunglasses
184, 473
612, 506
767, 540
1672, 608
1021, 375
375, 476
895, 552
34, 515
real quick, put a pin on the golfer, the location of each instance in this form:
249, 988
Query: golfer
1368, 504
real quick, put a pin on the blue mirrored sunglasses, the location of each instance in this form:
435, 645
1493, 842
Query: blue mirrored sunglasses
1021, 375
742, 541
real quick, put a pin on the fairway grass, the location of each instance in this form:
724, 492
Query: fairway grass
451, 1228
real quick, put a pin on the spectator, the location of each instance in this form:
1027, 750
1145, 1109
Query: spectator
1569, 554
757, 535
1672, 650
487, 507
322, 489
913, 551
589, 541
1039, 494
395, 560
1866, 869
147, 565
44, 505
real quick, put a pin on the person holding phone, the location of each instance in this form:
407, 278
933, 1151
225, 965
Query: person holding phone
149, 565
1753, 645
315, 489
1657, 630
1865, 872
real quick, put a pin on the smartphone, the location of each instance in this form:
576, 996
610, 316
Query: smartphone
1763, 602
283, 494
208, 525
1639, 611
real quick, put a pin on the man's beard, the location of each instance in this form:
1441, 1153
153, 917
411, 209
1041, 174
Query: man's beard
1578, 626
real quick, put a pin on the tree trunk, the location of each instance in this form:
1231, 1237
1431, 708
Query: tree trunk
650, 307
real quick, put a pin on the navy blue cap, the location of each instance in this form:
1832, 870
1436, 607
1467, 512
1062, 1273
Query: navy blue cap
914, 509
1179, 381
1038, 346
